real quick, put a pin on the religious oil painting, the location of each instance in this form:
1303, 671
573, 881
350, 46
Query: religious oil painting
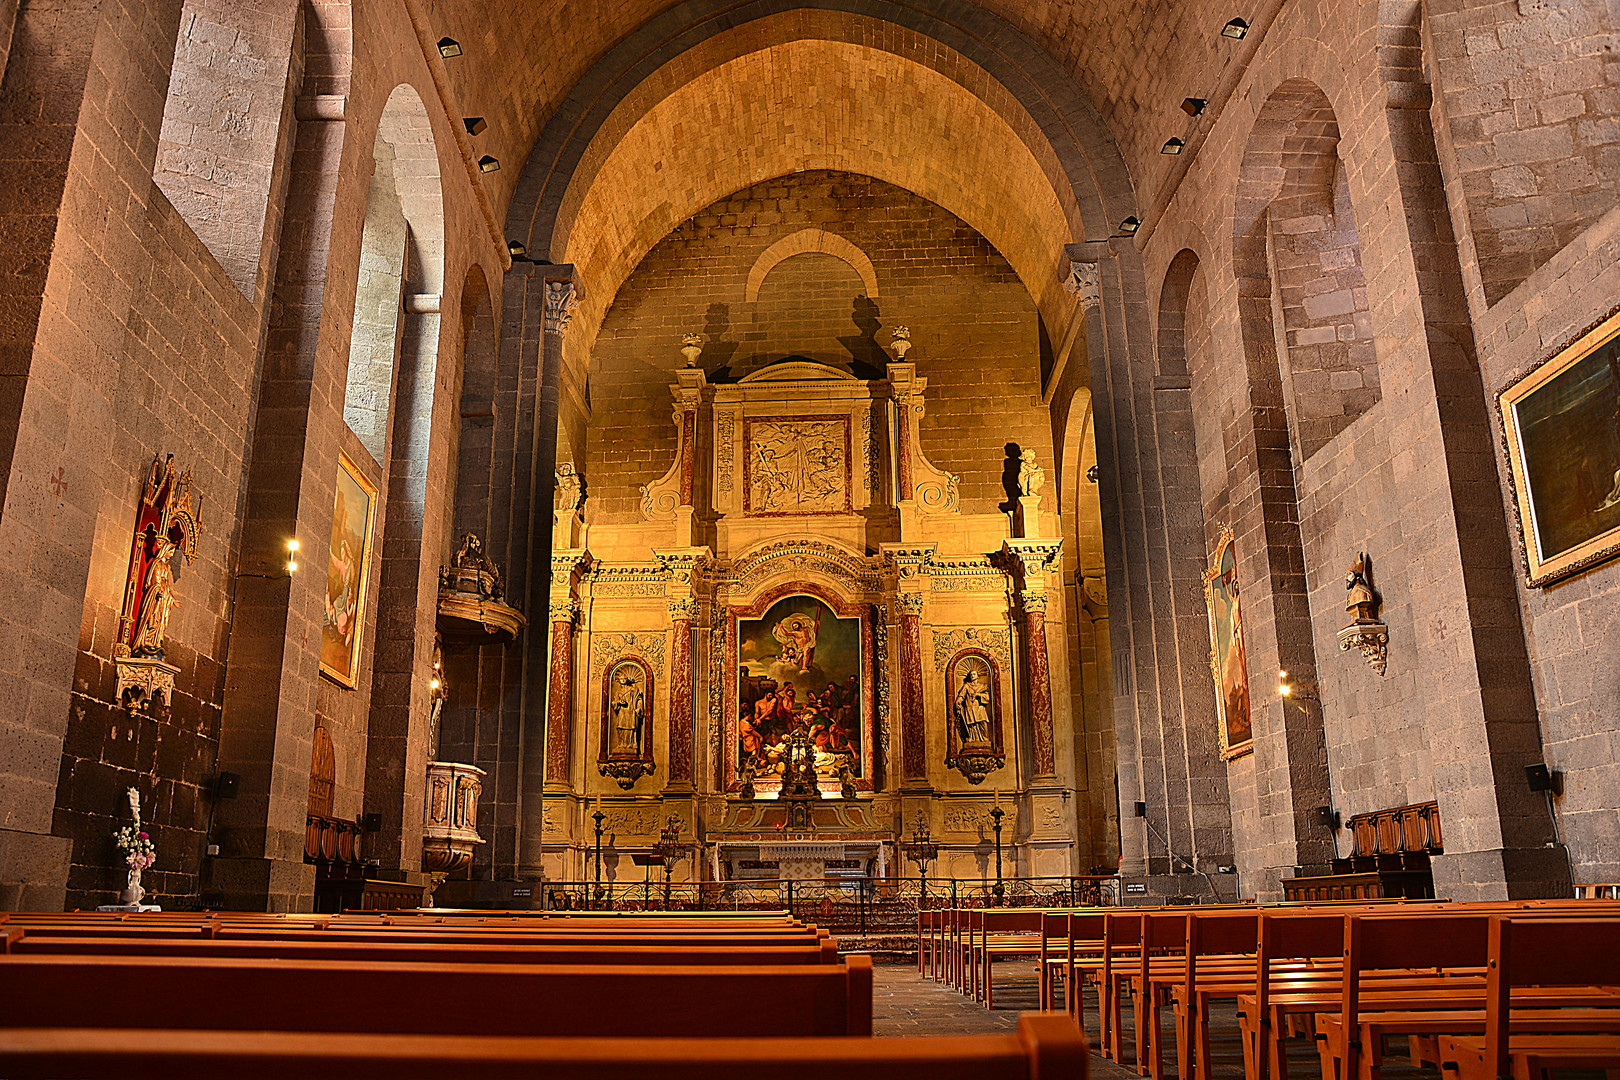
796, 465
1562, 425
799, 665
1228, 661
353, 521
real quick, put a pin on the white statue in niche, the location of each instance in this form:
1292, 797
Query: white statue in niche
973, 703
1031, 477
628, 719
798, 466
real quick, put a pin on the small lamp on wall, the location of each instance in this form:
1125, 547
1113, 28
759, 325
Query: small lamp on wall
1237, 29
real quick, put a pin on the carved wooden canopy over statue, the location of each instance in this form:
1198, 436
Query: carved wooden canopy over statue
165, 537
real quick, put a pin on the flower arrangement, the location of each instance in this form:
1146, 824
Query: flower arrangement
139, 851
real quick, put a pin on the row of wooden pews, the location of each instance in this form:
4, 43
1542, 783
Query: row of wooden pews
1480, 991
429, 994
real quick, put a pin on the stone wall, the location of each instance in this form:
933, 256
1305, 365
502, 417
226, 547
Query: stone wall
972, 322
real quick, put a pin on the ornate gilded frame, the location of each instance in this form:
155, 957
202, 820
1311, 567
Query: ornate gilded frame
975, 765
1542, 568
1229, 749
843, 609
626, 768
351, 679
166, 509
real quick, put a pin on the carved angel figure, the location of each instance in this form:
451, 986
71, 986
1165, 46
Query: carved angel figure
157, 601
1031, 477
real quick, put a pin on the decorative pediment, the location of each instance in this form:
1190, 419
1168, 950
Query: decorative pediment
798, 371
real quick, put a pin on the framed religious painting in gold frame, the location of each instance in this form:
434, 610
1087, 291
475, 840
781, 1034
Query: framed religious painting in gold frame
1561, 425
354, 518
1228, 656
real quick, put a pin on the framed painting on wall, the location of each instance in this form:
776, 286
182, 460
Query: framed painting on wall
353, 520
1228, 659
1561, 422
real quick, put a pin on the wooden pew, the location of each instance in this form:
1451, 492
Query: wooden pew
22, 943
1547, 954
436, 998
1044, 1048
1007, 933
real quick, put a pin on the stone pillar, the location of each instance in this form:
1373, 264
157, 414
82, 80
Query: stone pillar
684, 567
907, 566
560, 693
561, 297
913, 735
1030, 560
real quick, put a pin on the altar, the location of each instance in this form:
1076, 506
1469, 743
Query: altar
798, 860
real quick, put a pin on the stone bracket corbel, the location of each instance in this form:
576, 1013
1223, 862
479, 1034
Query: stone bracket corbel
924, 489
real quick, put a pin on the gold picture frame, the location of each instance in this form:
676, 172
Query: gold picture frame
1228, 653
1561, 432
343, 624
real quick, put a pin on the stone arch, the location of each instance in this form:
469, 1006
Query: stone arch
1295, 236
402, 241
808, 240
230, 96
1172, 335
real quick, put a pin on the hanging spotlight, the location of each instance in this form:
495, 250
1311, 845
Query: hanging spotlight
449, 47
1194, 105
488, 164
1172, 147
1237, 29
475, 124
1130, 225
516, 248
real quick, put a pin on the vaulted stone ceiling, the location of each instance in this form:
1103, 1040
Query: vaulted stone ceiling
1135, 62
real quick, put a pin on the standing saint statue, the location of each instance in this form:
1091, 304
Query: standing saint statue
973, 709
1361, 599
629, 715
157, 601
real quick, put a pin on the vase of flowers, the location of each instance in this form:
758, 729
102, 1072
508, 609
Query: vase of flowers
138, 850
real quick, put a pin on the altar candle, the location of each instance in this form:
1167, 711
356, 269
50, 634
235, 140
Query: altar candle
998, 797
598, 802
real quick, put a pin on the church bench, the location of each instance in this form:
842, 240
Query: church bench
1546, 954
18, 942
1004, 933
443, 998
1044, 1048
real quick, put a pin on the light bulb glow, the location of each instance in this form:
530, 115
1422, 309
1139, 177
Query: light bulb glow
292, 545
1285, 690
434, 685
292, 566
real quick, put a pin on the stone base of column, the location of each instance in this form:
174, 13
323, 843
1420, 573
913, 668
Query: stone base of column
1503, 874
255, 884
33, 871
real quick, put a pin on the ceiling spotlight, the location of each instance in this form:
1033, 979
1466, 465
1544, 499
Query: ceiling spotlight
488, 164
450, 48
1193, 106
1237, 29
1130, 225
475, 124
1172, 147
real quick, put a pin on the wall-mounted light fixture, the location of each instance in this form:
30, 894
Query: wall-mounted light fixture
449, 47
487, 164
1237, 30
1194, 105
1172, 147
475, 124
292, 556
1130, 225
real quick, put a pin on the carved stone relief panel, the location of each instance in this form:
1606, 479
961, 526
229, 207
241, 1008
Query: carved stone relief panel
797, 465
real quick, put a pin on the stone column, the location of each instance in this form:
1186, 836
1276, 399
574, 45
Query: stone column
913, 735
1030, 560
560, 694
685, 569
561, 297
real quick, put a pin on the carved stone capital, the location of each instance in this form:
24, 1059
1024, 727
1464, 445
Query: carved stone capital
683, 610
1033, 602
562, 297
564, 611
910, 603
1085, 282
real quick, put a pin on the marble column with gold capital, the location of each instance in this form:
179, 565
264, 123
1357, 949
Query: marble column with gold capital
909, 566
1030, 561
684, 568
